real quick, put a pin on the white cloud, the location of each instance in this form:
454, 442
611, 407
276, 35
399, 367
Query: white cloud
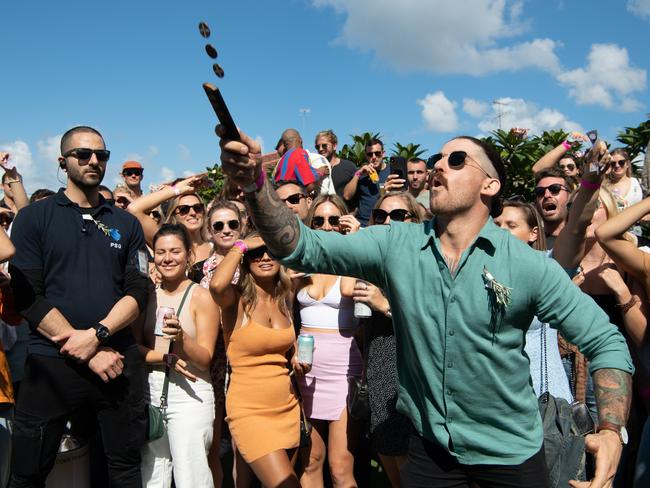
443, 36
184, 153
607, 80
438, 112
474, 108
639, 7
50, 148
167, 174
516, 112
36, 172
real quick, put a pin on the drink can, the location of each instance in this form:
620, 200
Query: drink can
305, 348
361, 310
160, 319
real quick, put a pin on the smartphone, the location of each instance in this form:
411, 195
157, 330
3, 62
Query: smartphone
221, 109
398, 167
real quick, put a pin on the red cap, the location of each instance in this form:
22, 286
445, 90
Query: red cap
131, 165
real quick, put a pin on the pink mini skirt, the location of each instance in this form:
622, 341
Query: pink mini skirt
325, 388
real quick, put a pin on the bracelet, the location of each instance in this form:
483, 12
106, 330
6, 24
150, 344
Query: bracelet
567, 145
358, 173
257, 184
625, 307
241, 245
177, 192
589, 185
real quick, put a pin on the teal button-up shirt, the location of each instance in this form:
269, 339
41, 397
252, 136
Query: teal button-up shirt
464, 378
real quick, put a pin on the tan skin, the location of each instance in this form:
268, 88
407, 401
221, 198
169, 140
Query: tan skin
274, 469
375, 299
193, 221
375, 163
620, 182
340, 433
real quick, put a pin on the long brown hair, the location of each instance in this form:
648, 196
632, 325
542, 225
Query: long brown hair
283, 293
170, 217
533, 219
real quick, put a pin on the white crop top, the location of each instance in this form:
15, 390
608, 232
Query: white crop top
333, 311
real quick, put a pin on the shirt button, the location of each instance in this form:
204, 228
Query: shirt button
453, 299
449, 420
450, 364
449, 391
451, 332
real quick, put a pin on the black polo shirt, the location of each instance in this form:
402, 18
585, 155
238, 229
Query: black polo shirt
64, 260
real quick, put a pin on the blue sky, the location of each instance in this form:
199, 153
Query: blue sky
415, 70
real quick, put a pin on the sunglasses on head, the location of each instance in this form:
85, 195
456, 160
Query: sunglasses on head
185, 209
620, 164
399, 215
84, 154
374, 153
554, 189
218, 226
569, 166
319, 221
132, 172
294, 199
321, 146
257, 254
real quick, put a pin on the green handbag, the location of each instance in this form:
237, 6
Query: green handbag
156, 414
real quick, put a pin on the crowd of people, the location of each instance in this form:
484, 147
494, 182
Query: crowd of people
318, 313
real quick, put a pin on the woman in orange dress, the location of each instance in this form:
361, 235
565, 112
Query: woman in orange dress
262, 408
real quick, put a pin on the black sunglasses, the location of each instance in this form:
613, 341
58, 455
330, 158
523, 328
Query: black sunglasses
554, 189
318, 221
132, 172
84, 154
123, 201
569, 166
456, 160
620, 164
218, 226
257, 254
294, 199
398, 214
321, 146
185, 209
374, 153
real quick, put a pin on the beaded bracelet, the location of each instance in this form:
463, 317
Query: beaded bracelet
567, 145
625, 307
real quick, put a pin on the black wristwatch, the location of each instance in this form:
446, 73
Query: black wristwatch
102, 333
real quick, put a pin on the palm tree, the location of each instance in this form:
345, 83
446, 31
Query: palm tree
410, 151
636, 141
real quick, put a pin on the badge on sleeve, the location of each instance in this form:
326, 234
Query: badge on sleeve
143, 263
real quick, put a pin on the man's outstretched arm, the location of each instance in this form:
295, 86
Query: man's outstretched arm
278, 226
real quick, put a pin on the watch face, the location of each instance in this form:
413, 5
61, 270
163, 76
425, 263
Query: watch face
102, 333
624, 436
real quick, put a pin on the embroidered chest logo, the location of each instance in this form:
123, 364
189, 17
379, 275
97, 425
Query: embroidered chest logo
112, 234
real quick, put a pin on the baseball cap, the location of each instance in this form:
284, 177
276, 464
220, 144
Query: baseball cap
131, 165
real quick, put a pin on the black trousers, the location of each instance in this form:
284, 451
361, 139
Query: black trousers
431, 466
55, 387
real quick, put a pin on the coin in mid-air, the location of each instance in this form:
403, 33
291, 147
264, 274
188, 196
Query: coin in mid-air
218, 70
211, 50
204, 29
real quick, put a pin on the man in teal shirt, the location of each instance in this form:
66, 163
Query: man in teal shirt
463, 293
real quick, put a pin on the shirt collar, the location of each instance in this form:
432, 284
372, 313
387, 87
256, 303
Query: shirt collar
488, 234
64, 201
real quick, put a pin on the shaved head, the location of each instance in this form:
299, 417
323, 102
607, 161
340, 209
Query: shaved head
67, 137
291, 139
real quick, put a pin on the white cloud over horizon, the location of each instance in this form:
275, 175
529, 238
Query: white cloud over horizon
438, 112
400, 34
475, 108
607, 80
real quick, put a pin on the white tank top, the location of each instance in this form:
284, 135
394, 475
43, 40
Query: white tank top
333, 311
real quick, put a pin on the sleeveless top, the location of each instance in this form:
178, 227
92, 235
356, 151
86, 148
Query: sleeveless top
185, 319
333, 311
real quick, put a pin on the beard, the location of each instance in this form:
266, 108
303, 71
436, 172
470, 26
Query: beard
83, 180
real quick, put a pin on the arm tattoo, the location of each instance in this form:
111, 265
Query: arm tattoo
613, 390
277, 225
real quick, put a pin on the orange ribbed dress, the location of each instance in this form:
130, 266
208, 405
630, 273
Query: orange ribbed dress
262, 409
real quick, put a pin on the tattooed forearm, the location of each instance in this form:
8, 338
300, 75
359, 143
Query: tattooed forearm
277, 225
613, 390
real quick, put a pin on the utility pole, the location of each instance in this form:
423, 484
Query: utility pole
304, 112
499, 116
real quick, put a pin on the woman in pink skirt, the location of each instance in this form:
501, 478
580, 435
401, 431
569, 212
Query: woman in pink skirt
326, 312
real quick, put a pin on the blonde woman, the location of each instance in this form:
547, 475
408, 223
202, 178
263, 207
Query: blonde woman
262, 408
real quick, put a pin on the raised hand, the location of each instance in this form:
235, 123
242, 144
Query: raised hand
240, 160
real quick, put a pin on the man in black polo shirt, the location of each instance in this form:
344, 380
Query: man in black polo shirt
79, 278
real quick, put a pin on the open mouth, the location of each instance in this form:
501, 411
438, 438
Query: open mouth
549, 207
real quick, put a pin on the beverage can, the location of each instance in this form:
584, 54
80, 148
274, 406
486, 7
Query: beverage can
305, 348
361, 310
374, 176
160, 319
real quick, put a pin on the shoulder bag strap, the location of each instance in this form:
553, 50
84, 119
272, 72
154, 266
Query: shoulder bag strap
163, 396
543, 370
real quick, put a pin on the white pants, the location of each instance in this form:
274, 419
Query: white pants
183, 450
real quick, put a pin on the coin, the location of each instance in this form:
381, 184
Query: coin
218, 70
204, 29
212, 52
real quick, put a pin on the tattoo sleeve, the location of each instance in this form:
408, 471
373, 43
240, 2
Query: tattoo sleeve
277, 225
613, 390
